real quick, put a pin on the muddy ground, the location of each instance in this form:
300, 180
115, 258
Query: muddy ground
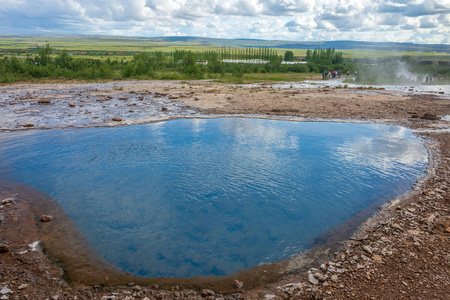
402, 252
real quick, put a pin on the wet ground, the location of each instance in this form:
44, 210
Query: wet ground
83, 106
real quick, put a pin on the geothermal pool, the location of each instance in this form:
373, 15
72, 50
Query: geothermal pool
194, 197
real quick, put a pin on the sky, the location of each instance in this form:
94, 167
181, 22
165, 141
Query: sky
416, 21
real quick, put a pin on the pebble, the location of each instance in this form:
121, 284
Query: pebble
5, 291
206, 292
238, 284
367, 249
23, 286
117, 119
4, 248
46, 218
313, 279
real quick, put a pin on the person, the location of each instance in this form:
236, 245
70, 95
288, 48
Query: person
356, 73
348, 73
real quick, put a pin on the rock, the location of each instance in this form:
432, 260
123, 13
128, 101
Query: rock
442, 226
72, 104
430, 219
7, 201
29, 124
367, 249
334, 278
164, 108
397, 226
4, 248
320, 276
117, 119
46, 218
177, 294
377, 258
112, 297
238, 284
428, 116
206, 293
23, 286
137, 288
313, 279
44, 101
123, 98
5, 291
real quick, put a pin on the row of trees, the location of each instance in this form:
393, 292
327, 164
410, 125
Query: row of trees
178, 64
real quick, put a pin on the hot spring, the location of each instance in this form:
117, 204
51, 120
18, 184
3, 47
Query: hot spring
195, 197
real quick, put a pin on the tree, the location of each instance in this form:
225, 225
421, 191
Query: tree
289, 56
43, 57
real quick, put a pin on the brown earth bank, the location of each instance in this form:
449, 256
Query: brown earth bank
401, 252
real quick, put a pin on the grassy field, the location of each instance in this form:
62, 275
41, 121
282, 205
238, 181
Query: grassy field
99, 48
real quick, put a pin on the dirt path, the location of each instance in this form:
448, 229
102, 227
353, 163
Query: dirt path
402, 252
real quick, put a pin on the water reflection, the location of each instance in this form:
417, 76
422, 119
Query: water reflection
200, 197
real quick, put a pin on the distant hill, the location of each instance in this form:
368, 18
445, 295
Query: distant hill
339, 45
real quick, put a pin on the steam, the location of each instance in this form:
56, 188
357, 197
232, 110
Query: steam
388, 71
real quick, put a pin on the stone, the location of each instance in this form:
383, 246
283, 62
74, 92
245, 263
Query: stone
206, 293
428, 116
44, 101
313, 279
377, 258
72, 104
46, 218
7, 200
367, 249
5, 291
397, 226
137, 288
4, 248
28, 124
164, 108
334, 278
117, 119
320, 276
123, 98
238, 284
442, 226
23, 286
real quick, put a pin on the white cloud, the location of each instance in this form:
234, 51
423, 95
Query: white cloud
269, 19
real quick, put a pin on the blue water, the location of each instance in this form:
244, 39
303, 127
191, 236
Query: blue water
211, 196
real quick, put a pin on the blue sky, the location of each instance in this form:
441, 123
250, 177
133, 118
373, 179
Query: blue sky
417, 21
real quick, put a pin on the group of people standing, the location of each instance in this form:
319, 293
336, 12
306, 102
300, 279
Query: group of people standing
335, 74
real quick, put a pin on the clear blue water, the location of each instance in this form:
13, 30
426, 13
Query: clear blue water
211, 196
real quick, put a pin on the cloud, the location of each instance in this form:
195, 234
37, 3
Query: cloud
265, 19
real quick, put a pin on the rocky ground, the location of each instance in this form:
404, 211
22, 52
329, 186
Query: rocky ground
402, 252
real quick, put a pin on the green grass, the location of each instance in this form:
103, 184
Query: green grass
264, 77
137, 45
